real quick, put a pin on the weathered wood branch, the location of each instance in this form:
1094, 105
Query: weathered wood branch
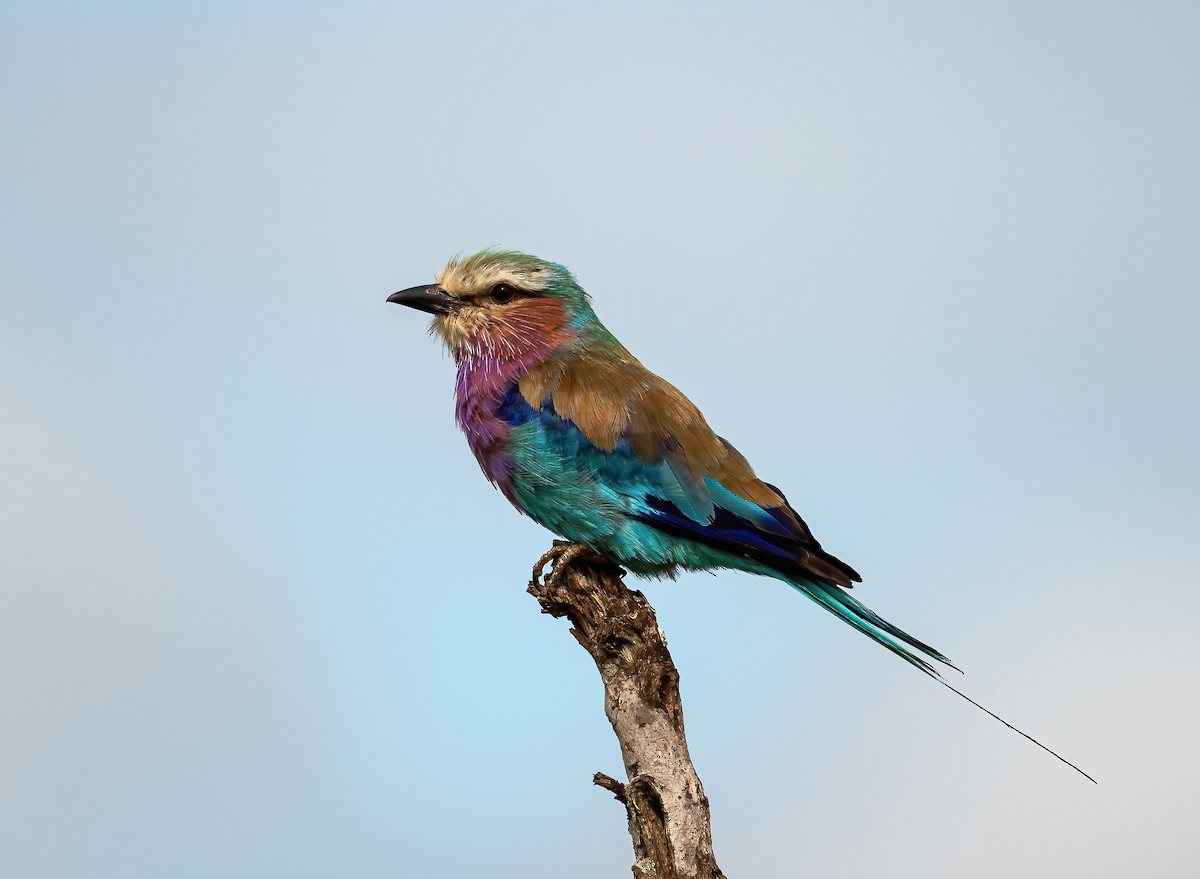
664, 801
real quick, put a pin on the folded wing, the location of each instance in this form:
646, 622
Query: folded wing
647, 439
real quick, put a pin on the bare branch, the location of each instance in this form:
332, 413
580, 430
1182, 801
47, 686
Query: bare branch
667, 810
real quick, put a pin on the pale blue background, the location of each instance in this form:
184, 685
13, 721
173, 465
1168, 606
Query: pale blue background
932, 266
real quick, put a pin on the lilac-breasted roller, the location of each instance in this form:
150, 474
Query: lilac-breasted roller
584, 439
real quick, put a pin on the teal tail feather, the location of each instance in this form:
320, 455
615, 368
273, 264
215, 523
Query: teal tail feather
846, 607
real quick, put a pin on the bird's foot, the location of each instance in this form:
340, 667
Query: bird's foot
562, 553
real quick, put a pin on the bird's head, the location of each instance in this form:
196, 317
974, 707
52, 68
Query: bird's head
497, 300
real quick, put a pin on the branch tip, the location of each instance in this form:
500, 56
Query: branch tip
611, 785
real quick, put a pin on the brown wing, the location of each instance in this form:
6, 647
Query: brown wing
609, 399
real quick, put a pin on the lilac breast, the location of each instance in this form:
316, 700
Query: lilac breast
482, 384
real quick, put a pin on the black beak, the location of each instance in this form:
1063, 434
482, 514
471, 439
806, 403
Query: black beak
430, 298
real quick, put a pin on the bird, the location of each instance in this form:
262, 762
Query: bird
584, 439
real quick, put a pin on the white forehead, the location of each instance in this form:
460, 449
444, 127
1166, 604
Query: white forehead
481, 272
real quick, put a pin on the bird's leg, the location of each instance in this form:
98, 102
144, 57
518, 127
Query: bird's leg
562, 553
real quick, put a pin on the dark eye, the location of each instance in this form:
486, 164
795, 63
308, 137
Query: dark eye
504, 293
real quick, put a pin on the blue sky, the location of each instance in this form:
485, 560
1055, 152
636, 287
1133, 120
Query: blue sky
932, 267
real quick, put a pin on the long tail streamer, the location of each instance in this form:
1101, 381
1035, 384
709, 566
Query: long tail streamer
838, 602
942, 681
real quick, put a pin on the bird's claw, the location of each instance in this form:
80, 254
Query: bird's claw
562, 553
